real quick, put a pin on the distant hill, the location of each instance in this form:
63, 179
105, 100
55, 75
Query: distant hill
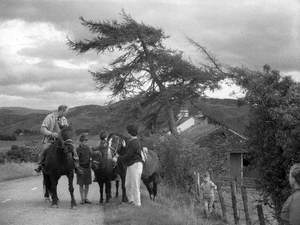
21, 110
116, 116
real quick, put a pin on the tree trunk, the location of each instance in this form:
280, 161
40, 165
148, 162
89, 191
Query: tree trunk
170, 112
171, 119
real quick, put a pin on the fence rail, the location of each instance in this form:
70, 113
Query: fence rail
238, 202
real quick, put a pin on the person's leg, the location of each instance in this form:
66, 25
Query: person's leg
81, 191
128, 183
206, 208
136, 183
210, 206
86, 191
45, 146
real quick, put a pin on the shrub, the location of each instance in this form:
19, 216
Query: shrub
274, 129
5, 137
23, 154
179, 158
2, 157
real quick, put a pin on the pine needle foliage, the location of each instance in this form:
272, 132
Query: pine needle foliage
274, 130
144, 67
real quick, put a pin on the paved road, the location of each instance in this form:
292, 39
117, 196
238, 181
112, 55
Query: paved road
22, 203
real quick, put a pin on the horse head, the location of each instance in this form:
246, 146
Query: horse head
117, 143
66, 135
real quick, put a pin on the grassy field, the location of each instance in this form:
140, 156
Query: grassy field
11, 171
170, 208
21, 141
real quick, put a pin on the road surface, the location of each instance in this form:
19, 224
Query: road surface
22, 203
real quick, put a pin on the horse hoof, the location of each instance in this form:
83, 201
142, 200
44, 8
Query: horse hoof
47, 199
54, 206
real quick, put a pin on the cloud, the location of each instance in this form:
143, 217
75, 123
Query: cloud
33, 50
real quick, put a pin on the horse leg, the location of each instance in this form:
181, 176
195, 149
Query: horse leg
124, 196
117, 188
54, 181
46, 185
101, 184
71, 189
107, 190
147, 183
155, 185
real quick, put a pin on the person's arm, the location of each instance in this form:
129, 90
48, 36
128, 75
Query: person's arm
213, 185
284, 215
78, 152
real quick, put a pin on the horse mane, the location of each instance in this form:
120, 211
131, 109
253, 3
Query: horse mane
66, 133
117, 134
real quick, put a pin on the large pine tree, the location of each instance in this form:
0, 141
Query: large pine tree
145, 67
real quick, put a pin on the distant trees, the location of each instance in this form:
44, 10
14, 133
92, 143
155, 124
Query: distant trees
274, 130
145, 68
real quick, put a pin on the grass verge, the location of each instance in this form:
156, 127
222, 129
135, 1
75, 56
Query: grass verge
9, 171
170, 208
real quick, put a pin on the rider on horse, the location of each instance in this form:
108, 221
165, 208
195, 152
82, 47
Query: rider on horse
50, 128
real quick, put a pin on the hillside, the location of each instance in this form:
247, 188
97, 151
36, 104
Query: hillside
116, 116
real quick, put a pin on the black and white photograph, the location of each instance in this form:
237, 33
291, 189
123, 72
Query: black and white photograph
149, 112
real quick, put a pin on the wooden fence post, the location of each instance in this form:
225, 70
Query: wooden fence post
245, 202
260, 214
223, 207
197, 186
234, 202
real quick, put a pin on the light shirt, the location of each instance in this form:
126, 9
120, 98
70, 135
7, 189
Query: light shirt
208, 189
51, 124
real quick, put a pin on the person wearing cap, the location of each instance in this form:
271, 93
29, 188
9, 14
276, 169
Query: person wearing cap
50, 128
290, 213
133, 160
84, 179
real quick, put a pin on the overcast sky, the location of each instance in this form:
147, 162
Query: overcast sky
37, 69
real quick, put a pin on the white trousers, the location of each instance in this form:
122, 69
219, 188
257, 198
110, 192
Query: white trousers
133, 183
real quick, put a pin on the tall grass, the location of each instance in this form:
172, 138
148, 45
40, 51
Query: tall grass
172, 207
9, 171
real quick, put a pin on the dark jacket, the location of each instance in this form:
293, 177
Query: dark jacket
133, 152
290, 212
84, 154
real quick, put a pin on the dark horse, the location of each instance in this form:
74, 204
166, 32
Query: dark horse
103, 168
151, 167
59, 161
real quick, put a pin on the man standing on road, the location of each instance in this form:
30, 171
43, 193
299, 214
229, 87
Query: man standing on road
134, 162
50, 128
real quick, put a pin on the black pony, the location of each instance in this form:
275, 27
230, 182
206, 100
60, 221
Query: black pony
59, 161
151, 167
103, 168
